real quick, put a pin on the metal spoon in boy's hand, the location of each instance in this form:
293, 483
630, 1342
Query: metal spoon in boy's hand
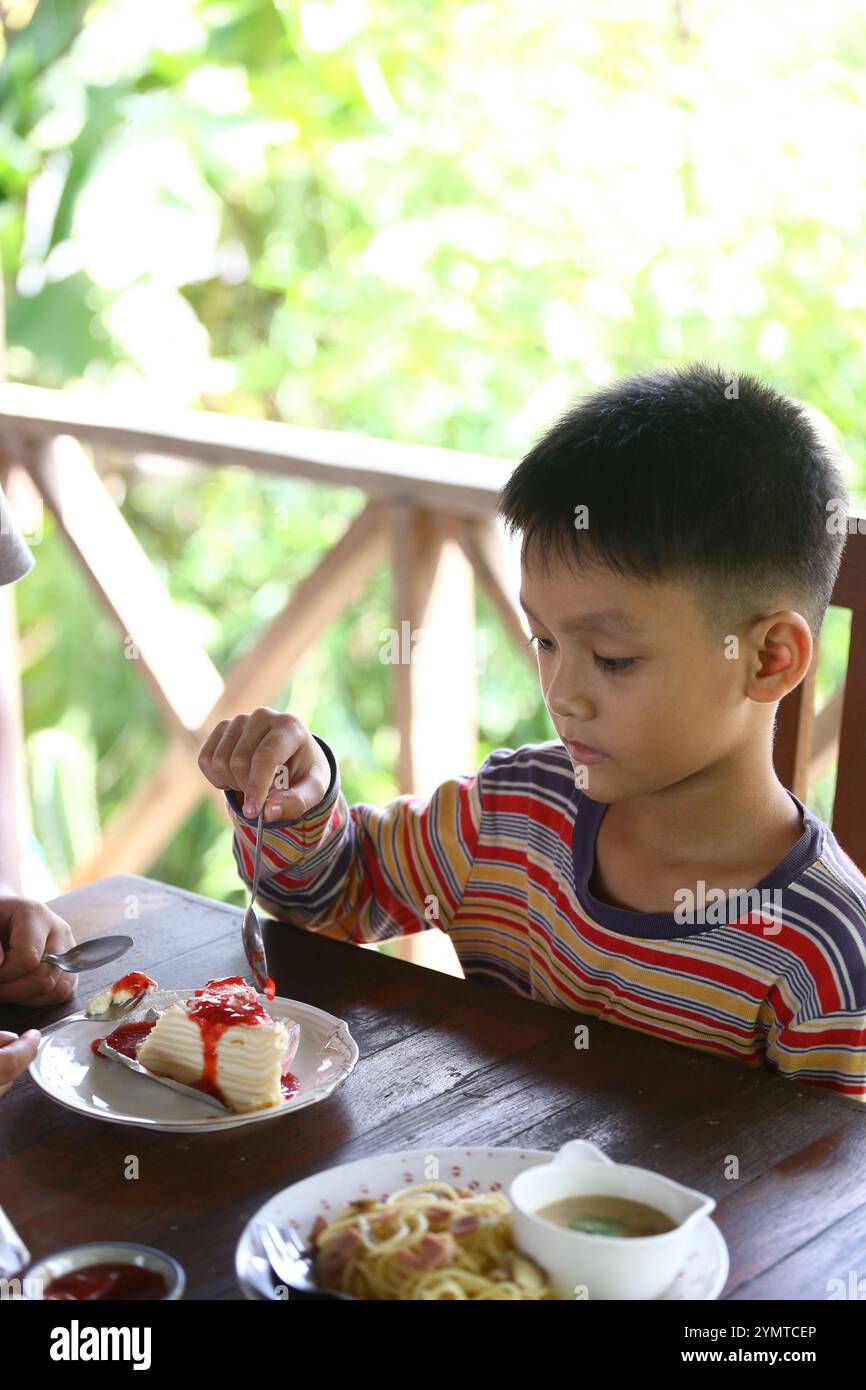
254, 946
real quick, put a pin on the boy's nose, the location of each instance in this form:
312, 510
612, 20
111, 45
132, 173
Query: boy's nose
567, 712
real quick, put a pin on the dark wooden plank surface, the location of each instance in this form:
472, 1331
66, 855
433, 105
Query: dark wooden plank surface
443, 1062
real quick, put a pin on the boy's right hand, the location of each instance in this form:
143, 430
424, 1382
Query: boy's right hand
267, 757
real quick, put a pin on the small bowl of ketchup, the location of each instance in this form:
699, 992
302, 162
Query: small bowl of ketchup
106, 1270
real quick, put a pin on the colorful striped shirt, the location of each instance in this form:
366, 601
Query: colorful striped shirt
502, 859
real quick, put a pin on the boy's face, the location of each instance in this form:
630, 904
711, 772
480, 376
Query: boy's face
659, 697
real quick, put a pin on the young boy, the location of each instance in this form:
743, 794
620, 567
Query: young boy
680, 543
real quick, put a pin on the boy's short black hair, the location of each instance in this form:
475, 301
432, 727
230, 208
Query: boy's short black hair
695, 475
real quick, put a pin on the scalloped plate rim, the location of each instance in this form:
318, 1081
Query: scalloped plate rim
707, 1236
339, 1034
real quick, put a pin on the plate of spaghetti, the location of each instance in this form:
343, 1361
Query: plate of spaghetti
430, 1225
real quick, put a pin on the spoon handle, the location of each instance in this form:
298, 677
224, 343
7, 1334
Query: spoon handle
257, 863
254, 946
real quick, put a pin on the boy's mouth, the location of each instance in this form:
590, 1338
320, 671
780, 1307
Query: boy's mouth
582, 754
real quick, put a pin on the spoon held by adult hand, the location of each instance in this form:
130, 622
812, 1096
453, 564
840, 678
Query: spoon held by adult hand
90, 955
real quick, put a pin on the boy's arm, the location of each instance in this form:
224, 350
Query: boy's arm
828, 1051
362, 873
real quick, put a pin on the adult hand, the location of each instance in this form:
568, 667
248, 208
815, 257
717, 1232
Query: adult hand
16, 1054
27, 930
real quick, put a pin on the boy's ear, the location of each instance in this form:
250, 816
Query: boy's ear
782, 645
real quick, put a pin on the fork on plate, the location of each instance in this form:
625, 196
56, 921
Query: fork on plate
112, 1014
291, 1263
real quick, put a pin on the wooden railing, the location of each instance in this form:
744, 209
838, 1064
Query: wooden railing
430, 513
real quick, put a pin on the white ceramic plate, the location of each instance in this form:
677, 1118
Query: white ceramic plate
702, 1276
67, 1070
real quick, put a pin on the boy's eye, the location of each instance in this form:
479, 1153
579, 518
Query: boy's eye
611, 664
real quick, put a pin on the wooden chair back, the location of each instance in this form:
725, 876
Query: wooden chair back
802, 740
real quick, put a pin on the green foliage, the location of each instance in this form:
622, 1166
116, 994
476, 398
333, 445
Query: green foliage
418, 219
63, 793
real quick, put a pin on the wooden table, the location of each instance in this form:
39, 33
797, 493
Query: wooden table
443, 1062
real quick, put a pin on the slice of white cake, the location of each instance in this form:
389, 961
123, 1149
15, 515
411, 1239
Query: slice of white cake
223, 1041
126, 988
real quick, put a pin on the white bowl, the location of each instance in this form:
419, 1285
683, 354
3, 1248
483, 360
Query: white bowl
581, 1265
